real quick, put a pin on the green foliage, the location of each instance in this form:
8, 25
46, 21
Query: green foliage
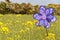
58, 11
2, 7
15, 8
8, 1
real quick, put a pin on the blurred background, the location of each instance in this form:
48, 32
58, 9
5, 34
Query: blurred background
27, 6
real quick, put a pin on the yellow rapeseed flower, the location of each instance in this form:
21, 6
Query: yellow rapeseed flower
9, 38
5, 30
17, 36
21, 31
29, 23
18, 15
1, 23
27, 29
51, 36
17, 21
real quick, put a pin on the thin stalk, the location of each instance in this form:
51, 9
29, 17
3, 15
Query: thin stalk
47, 32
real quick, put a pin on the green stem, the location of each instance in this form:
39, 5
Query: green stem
47, 31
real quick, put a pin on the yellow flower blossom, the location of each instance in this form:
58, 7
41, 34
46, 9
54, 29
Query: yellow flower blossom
21, 31
27, 29
5, 30
17, 36
9, 38
51, 36
18, 15
1, 23
17, 21
29, 23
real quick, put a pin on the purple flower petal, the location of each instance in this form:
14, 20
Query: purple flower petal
42, 10
48, 18
37, 16
51, 10
53, 19
46, 24
40, 23
47, 11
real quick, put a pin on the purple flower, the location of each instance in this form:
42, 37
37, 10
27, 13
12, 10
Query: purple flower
44, 16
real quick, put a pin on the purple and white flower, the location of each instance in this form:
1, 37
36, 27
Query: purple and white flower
45, 16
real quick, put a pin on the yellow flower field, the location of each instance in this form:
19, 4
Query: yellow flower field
23, 27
